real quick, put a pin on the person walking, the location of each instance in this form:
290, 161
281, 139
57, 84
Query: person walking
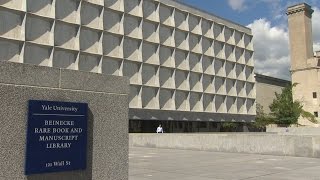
159, 129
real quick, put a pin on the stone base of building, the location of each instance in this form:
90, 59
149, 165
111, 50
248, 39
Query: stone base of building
107, 122
169, 126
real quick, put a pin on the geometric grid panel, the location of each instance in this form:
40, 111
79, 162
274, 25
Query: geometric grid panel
177, 57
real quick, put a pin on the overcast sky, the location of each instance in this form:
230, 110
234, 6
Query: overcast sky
268, 22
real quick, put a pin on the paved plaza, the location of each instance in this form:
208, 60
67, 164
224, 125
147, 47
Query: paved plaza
171, 164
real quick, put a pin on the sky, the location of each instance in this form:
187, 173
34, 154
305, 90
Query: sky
268, 22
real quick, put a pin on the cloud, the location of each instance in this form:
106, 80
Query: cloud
271, 45
316, 29
274, 6
238, 5
316, 46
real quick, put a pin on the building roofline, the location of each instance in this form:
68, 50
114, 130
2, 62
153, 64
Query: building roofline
299, 8
299, 4
272, 79
203, 12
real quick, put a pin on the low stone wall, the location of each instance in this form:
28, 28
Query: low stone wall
269, 144
294, 130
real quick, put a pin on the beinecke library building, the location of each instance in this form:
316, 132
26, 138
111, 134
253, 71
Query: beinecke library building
188, 69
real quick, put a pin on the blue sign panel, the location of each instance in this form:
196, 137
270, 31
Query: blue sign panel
56, 137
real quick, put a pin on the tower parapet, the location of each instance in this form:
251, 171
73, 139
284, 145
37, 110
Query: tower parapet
303, 7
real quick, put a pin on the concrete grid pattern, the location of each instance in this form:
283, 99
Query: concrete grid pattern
159, 164
177, 57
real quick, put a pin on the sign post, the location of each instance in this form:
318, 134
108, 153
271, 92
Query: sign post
56, 137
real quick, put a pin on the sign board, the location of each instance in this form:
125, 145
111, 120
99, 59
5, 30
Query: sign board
56, 137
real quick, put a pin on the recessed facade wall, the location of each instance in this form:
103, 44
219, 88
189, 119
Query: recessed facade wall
266, 88
177, 58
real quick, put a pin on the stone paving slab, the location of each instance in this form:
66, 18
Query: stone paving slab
172, 164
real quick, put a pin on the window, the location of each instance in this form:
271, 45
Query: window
314, 94
315, 114
180, 125
203, 124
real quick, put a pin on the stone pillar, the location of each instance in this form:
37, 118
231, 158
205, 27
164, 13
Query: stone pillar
300, 33
107, 136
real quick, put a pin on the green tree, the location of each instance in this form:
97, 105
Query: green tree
262, 119
228, 126
286, 111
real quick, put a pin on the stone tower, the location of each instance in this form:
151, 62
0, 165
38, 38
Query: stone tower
300, 32
304, 65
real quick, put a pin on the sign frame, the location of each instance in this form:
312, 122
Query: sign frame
56, 136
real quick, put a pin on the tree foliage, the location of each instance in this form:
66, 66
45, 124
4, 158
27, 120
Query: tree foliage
228, 126
284, 110
262, 119
309, 116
